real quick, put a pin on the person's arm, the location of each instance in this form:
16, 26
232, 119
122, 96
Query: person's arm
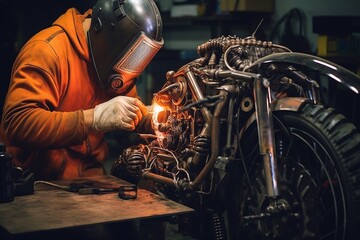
30, 116
88, 118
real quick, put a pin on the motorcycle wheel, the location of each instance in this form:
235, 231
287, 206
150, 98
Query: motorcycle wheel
318, 160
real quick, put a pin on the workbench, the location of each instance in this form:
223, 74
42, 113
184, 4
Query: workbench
52, 208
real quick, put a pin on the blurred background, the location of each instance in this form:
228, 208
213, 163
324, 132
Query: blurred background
327, 28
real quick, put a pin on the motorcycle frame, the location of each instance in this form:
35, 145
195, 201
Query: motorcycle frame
266, 134
264, 107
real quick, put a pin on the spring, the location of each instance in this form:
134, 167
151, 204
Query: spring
136, 156
201, 148
132, 157
218, 44
235, 61
218, 227
202, 144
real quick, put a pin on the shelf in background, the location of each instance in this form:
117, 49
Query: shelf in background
218, 24
242, 17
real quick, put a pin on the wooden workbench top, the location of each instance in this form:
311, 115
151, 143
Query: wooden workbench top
51, 208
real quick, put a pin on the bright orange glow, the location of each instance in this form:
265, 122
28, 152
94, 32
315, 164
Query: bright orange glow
156, 109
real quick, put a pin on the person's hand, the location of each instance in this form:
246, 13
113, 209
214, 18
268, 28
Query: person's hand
121, 112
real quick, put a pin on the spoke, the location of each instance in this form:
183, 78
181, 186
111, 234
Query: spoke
306, 169
309, 182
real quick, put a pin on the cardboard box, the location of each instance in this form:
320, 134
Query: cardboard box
247, 5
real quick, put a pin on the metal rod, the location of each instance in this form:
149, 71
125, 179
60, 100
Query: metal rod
158, 178
266, 134
196, 91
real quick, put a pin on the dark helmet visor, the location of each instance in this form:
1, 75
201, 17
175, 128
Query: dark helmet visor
138, 56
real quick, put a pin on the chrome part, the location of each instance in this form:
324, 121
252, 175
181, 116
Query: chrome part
266, 134
212, 104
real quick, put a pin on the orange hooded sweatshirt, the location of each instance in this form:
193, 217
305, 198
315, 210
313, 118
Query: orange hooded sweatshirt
53, 80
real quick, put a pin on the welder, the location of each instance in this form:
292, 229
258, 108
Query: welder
73, 82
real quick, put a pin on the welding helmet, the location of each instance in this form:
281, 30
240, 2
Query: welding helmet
123, 38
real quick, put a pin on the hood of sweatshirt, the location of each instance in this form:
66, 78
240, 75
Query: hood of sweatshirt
72, 23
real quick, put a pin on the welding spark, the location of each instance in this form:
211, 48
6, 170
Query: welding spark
156, 110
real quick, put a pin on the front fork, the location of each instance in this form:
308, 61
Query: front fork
266, 134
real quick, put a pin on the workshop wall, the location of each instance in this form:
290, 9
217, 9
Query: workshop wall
193, 35
317, 8
183, 36
23, 18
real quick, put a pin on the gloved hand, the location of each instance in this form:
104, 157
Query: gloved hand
121, 112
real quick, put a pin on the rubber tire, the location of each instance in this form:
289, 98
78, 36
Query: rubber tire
335, 138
